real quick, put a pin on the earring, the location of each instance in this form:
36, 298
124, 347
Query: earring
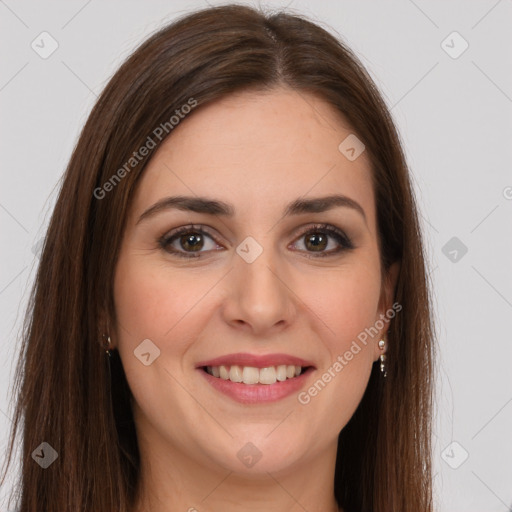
382, 357
107, 343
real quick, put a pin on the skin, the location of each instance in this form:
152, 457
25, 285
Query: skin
258, 152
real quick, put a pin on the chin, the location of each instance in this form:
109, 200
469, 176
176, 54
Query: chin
257, 453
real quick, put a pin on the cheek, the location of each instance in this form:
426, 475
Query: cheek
347, 302
152, 302
156, 304
347, 307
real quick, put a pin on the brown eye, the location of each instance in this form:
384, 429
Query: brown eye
192, 242
186, 241
319, 237
316, 241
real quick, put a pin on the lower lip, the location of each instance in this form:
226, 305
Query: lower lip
258, 393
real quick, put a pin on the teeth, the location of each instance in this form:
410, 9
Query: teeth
235, 373
281, 373
268, 375
252, 375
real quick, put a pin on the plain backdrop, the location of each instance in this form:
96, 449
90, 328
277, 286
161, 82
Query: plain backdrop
444, 70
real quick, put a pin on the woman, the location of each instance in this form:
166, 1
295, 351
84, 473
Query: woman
231, 310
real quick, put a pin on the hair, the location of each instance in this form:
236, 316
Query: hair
69, 395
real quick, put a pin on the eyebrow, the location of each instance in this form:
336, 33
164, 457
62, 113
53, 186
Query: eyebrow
216, 207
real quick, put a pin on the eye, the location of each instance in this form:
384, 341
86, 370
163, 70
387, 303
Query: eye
187, 240
316, 240
191, 241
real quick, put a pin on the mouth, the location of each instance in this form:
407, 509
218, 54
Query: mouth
251, 375
251, 379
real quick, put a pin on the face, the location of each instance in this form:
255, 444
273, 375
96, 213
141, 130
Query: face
203, 294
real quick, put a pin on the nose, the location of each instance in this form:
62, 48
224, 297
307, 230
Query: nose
260, 298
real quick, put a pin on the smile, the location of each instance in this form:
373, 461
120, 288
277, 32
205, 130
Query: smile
253, 375
256, 378
258, 393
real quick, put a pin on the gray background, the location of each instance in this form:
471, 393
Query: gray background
454, 116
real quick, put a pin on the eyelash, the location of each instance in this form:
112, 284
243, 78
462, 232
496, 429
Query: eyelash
344, 241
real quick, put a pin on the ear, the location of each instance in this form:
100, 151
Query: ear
388, 287
386, 305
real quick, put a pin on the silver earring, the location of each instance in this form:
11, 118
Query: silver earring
382, 357
107, 343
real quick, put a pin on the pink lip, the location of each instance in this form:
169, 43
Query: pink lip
257, 393
256, 361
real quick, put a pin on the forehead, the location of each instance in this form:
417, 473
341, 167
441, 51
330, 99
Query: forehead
258, 151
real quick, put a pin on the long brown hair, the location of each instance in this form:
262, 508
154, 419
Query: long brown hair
69, 396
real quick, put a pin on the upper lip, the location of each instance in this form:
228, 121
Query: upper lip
256, 361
